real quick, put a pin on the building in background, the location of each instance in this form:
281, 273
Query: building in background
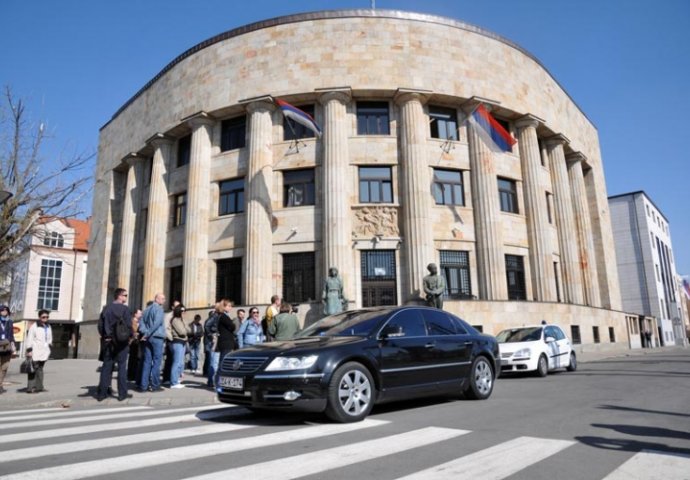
204, 190
51, 275
646, 266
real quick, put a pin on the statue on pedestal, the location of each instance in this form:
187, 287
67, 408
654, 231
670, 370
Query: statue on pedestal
333, 299
434, 287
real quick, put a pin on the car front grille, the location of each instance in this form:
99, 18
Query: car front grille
242, 364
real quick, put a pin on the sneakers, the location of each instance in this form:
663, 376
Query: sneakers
178, 385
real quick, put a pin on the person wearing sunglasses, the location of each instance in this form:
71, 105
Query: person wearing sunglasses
251, 332
39, 339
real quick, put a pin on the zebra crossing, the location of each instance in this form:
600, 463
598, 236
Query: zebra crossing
214, 442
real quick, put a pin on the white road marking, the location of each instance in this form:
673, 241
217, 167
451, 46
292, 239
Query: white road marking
9, 413
73, 413
653, 465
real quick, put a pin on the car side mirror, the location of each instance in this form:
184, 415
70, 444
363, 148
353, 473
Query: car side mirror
549, 339
391, 331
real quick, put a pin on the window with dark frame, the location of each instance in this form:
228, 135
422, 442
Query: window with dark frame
443, 123
293, 130
515, 273
54, 239
49, 284
507, 193
455, 268
375, 185
179, 209
184, 150
298, 187
231, 196
175, 290
448, 187
575, 334
299, 277
373, 118
595, 333
612, 335
229, 279
233, 133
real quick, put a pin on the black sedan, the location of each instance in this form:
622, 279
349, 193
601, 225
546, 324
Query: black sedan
346, 363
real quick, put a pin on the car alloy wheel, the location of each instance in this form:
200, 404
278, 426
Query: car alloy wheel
572, 366
481, 381
542, 366
350, 393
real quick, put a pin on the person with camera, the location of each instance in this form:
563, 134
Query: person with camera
285, 325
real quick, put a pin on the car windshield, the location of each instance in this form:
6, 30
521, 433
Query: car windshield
512, 335
356, 323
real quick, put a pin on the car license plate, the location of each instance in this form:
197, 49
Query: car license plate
235, 383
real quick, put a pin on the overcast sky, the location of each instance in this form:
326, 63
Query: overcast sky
626, 63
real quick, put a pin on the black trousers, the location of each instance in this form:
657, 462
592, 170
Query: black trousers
114, 353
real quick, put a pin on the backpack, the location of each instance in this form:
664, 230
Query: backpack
122, 332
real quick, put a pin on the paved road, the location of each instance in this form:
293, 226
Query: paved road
621, 418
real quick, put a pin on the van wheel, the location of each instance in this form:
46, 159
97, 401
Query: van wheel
350, 393
542, 366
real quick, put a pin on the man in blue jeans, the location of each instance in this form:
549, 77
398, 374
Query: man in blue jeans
152, 329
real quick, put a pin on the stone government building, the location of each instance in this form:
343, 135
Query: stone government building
204, 191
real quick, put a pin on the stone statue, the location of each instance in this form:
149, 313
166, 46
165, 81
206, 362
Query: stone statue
333, 299
434, 286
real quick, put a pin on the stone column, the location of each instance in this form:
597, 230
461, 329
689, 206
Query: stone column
258, 278
157, 221
538, 234
132, 207
415, 194
491, 268
195, 278
336, 235
584, 229
567, 241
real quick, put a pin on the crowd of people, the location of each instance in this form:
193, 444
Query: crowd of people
153, 348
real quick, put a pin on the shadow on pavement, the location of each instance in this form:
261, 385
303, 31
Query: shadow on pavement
645, 431
643, 410
629, 445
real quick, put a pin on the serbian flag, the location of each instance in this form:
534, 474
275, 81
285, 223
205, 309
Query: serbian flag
686, 287
491, 131
297, 115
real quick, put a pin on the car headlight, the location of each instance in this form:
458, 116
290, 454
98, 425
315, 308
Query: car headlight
291, 363
523, 353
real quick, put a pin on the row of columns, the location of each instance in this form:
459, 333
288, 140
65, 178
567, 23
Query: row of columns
578, 266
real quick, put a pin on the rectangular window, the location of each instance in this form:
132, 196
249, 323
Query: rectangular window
49, 284
54, 239
443, 123
515, 273
179, 210
231, 197
299, 281
298, 187
375, 185
595, 333
229, 279
575, 334
373, 118
448, 187
455, 268
612, 335
175, 290
548, 207
507, 193
184, 150
293, 130
558, 284
233, 133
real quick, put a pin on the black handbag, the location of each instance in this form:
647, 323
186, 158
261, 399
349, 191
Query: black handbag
27, 366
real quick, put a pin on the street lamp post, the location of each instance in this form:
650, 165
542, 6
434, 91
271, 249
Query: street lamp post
4, 196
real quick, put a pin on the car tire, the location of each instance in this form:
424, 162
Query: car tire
351, 393
481, 381
572, 366
542, 366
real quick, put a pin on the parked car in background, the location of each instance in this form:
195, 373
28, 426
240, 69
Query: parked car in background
537, 349
345, 363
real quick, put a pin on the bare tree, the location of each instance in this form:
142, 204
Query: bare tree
39, 186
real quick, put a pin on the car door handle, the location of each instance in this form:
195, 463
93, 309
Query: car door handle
467, 344
430, 345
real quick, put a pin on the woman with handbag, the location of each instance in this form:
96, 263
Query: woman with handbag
7, 346
39, 339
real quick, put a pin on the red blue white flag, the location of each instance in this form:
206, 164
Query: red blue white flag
491, 131
299, 116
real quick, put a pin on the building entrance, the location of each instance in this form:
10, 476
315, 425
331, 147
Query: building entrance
379, 278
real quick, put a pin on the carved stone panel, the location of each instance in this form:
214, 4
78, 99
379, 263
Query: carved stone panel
375, 220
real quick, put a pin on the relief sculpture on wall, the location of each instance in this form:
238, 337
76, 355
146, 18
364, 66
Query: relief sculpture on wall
373, 221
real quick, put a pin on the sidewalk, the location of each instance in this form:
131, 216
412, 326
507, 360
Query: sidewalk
72, 383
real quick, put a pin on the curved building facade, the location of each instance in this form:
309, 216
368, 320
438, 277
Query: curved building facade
204, 191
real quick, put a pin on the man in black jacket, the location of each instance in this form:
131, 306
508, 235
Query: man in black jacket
112, 349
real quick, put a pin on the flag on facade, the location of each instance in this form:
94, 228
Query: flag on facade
299, 116
686, 288
490, 130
